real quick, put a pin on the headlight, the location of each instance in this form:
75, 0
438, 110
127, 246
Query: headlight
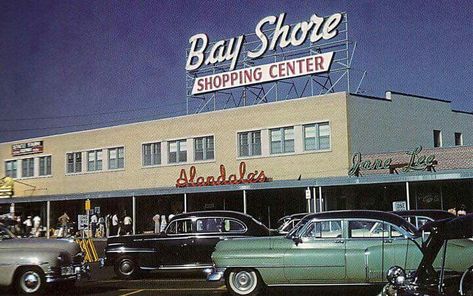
396, 276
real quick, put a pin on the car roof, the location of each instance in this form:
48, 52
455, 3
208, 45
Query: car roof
213, 213
434, 214
364, 214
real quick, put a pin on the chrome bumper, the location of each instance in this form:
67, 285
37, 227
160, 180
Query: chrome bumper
67, 273
216, 274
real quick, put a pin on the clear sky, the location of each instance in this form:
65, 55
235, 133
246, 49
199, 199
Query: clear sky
74, 65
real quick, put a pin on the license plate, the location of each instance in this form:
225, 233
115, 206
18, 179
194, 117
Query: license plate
70, 270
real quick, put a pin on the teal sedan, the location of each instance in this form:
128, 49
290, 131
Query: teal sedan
330, 248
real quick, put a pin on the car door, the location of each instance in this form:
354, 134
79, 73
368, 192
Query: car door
364, 250
319, 257
175, 248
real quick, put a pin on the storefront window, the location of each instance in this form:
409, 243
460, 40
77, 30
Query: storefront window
10, 168
27, 167
74, 162
204, 148
45, 166
177, 151
249, 143
116, 158
94, 160
152, 154
282, 140
317, 136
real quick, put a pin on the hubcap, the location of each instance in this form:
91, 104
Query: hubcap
244, 281
30, 281
126, 267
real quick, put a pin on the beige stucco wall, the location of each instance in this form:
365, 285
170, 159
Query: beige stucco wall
224, 125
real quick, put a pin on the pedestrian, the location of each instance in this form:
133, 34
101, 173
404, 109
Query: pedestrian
101, 226
108, 224
93, 224
127, 224
156, 219
163, 222
37, 226
28, 226
114, 225
63, 221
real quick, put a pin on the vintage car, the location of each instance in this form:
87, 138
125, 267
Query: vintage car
420, 217
30, 264
186, 244
427, 279
329, 248
288, 222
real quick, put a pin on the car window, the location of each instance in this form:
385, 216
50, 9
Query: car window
180, 226
395, 232
218, 224
367, 229
421, 221
324, 229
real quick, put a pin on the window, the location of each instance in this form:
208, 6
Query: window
437, 138
458, 139
45, 166
249, 143
180, 226
282, 140
177, 151
204, 148
325, 229
94, 160
10, 168
116, 158
27, 167
219, 225
74, 162
317, 136
152, 154
367, 229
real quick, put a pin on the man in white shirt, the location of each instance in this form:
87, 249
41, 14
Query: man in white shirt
93, 223
156, 219
114, 225
127, 224
36, 225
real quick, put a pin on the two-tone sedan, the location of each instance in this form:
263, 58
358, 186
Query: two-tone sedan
186, 244
330, 248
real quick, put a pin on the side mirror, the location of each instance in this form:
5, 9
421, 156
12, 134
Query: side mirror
297, 240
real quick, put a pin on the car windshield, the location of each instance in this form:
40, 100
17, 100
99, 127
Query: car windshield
5, 233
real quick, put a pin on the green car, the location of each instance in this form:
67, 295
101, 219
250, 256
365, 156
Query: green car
330, 248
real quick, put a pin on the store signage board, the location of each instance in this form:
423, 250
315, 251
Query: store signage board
27, 148
399, 206
192, 180
227, 53
416, 162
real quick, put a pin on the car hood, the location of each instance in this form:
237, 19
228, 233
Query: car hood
39, 244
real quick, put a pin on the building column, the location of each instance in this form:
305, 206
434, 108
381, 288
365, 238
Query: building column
133, 200
314, 199
244, 201
48, 214
185, 202
320, 199
308, 198
408, 197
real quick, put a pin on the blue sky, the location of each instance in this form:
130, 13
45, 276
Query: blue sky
74, 65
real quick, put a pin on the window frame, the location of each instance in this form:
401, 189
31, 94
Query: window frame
458, 136
208, 153
95, 161
116, 160
178, 151
437, 139
30, 167
155, 158
283, 140
45, 169
75, 167
317, 126
251, 143
14, 163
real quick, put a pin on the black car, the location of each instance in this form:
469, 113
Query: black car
435, 282
420, 217
186, 244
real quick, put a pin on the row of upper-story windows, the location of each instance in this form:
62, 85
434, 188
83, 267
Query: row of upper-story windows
315, 137
438, 139
26, 167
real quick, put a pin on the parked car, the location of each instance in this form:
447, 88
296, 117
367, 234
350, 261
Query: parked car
288, 222
31, 264
428, 280
329, 248
420, 217
186, 244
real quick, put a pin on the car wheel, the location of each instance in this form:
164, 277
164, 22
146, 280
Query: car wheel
243, 282
126, 268
30, 281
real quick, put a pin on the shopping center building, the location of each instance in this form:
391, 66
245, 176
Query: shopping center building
326, 152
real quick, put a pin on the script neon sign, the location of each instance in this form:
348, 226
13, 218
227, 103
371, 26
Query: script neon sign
242, 177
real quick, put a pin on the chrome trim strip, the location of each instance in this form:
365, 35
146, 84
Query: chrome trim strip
130, 250
321, 285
